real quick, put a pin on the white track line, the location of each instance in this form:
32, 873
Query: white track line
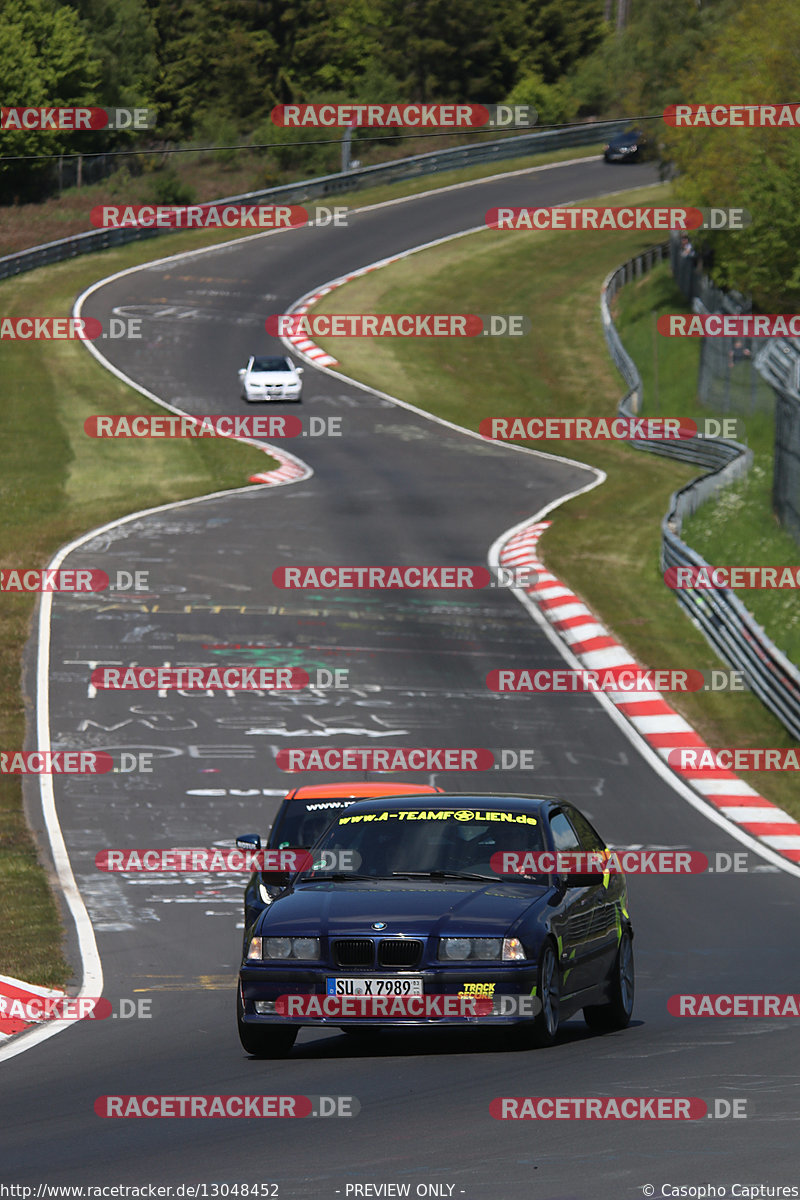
90, 960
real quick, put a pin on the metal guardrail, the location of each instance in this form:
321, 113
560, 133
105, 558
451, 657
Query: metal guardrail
330, 185
729, 627
778, 363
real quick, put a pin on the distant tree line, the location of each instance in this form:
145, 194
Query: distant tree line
213, 69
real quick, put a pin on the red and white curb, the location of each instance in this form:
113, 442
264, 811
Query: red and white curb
300, 341
16, 989
290, 470
649, 713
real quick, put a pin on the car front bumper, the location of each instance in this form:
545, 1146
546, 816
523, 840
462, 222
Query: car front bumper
495, 983
254, 394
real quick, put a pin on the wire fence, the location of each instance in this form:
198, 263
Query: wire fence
414, 167
728, 380
778, 362
729, 627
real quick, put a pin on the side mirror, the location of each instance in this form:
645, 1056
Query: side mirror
248, 841
299, 370
242, 372
280, 879
585, 879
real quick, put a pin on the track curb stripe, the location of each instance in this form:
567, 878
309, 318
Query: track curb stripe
650, 715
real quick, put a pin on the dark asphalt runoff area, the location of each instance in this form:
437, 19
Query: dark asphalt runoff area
394, 488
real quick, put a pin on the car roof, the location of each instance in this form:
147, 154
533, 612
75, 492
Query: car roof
493, 801
315, 791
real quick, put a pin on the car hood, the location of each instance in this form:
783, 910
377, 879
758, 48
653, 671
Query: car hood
406, 906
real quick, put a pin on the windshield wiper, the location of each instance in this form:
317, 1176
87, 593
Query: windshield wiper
443, 875
337, 876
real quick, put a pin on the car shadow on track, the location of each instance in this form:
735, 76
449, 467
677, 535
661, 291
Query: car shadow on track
411, 1043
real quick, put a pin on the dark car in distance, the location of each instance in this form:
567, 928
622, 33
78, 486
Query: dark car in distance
429, 914
629, 146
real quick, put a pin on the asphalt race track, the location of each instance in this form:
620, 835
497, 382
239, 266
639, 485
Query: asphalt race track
394, 488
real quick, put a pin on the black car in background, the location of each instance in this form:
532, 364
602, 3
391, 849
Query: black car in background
629, 146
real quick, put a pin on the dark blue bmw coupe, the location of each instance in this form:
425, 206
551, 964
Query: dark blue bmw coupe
431, 929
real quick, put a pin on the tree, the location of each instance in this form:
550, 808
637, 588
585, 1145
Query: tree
47, 62
752, 61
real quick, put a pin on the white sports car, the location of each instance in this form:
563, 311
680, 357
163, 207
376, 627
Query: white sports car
271, 379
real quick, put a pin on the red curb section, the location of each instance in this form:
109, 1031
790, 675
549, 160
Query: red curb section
16, 989
652, 717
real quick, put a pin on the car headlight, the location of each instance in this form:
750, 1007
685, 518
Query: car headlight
481, 949
303, 948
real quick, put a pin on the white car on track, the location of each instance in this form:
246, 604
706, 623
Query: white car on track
275, 378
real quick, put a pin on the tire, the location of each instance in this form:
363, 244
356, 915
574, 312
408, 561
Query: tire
604, 1018
266, 1041
542, 1031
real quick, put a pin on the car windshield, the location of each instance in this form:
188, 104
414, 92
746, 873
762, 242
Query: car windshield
305, 821
271, 364
430, 841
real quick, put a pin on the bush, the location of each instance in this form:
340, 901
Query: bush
169, 188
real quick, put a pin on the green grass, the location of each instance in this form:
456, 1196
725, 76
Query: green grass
740, 526
56, 484
604, 544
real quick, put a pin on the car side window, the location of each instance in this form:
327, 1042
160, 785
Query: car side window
589, 837
564, 836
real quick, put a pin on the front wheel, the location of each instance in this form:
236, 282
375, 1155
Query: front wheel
603, 1018
264, 1041
541, 1032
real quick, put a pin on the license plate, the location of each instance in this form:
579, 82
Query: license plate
384, 986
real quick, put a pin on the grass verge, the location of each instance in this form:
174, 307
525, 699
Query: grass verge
57, 484
605, 544
739, 527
